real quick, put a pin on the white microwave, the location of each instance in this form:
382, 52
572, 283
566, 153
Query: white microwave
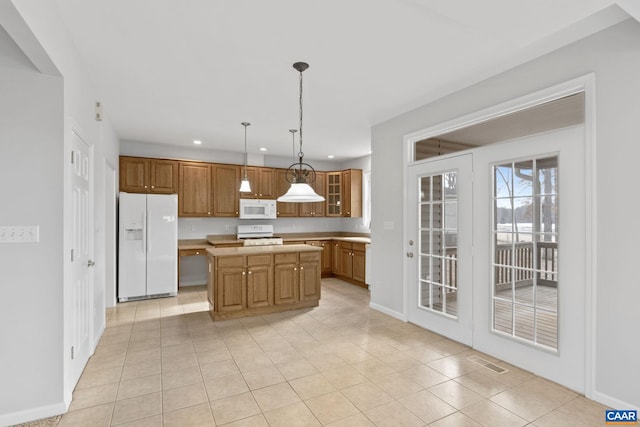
257, 209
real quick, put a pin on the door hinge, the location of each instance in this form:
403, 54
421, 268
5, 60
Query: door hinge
73, 157
71, 255
72, 352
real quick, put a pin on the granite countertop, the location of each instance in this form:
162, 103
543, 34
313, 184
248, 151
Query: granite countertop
260, 250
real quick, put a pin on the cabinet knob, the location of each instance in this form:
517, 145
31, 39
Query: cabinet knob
236, 213
295, 268
145, 186
153, 186
243, 273
197, 253
301, 268
249, 271
208, 213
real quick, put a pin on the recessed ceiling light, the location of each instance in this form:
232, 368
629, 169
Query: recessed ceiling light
263, 149
197, 141
330, 156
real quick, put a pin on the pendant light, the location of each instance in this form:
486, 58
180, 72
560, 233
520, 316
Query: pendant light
245, 187
300, 174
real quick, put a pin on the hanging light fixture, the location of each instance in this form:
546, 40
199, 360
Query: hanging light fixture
245, 187
300, 174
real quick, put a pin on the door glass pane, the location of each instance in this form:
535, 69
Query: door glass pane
438, 223
525, 250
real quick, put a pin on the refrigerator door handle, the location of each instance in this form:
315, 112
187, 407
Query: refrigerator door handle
148, 228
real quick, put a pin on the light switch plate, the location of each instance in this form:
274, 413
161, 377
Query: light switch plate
19, 233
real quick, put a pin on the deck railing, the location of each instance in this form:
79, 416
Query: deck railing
522, 261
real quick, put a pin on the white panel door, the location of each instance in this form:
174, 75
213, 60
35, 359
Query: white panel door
439, 246
162, 244
529, 264
82, 251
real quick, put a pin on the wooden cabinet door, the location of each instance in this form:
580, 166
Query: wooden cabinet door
310, 279
335, 257
327, 258
358, 266
211, 278
194, 189
346, 260
231, 289
352, 193
259, 286
226, 183
282, 186
267, 183
333, 194
315, 208
163, 176
286, 282
134, 174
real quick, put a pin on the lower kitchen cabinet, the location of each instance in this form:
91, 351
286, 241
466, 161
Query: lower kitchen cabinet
286, 279
281, 278
350, 262
326, 263
259, 281
309, 276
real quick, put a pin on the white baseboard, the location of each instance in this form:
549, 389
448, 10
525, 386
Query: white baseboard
32, 414
611, 402
385, 310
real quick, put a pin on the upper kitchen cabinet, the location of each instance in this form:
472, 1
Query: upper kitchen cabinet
316, 208
333, 194
226, 182
263, 183
284, 209
352, 193
142, 175
194, 189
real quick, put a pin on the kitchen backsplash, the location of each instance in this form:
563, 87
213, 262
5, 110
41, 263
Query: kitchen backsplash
199, 228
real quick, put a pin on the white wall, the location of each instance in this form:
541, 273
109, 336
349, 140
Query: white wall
31, 150
40, 112
614, 56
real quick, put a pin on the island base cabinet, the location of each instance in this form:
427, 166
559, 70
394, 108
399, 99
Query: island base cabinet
309, 277
248, 285
232, 285
259, 286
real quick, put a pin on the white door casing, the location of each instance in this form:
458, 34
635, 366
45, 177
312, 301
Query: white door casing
81, 256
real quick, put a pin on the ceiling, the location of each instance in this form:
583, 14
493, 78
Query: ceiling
169, 72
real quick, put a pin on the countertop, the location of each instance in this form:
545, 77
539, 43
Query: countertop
191, 244
261, 250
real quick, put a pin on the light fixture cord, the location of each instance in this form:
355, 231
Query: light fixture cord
245, 124
300, 154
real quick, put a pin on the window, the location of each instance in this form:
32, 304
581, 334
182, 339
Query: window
438, 222
525, 250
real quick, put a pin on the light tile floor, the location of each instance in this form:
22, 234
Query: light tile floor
165, 362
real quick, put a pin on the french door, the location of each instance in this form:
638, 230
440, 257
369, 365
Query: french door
439, 250
499, 262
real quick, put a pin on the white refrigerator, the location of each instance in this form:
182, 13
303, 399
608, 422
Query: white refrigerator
148, 246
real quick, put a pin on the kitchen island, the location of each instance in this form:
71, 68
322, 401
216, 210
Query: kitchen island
249, 281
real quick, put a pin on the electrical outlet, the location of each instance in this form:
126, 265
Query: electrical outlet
19, 234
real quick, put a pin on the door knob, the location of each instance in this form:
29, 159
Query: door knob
91, 263
409, 254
